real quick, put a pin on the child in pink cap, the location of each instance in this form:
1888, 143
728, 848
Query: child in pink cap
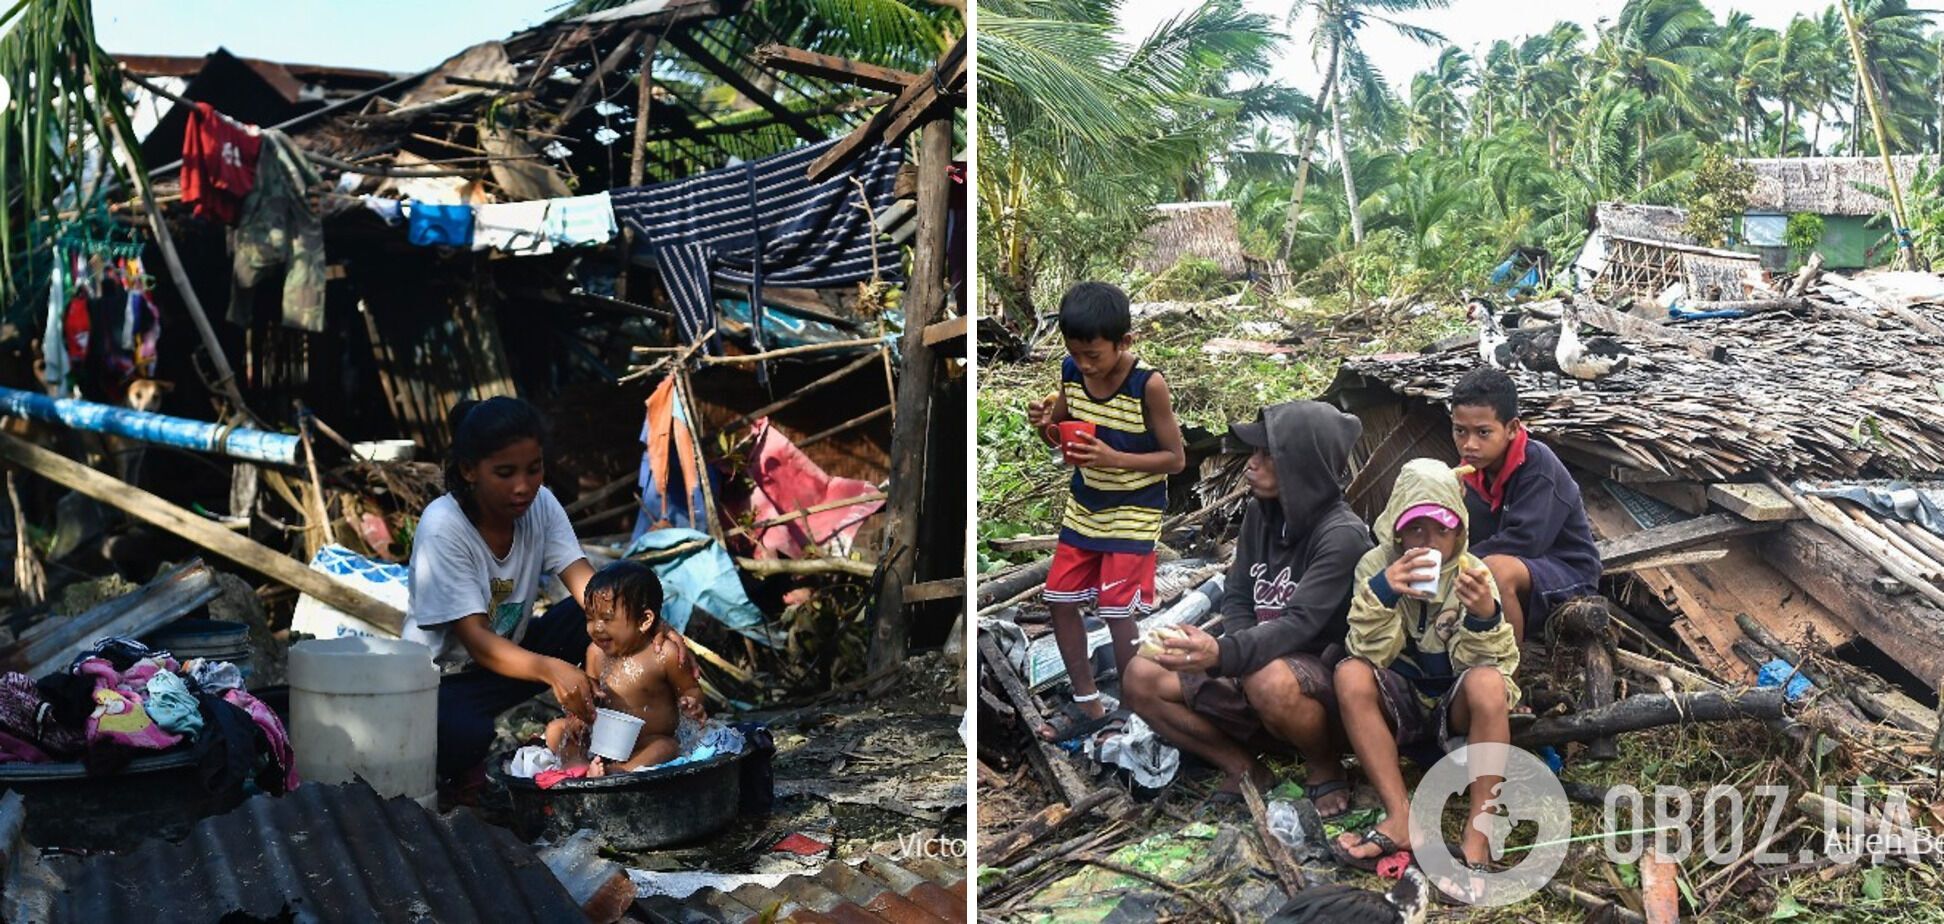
1426, 671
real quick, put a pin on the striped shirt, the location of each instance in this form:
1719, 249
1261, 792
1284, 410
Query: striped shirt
763, 223
1113, 509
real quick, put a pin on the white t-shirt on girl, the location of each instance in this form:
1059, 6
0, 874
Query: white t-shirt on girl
455, 575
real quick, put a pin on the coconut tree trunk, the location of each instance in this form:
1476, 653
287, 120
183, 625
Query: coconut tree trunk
1856, 117
1308, 147
1815, 135
1782, 143
1343, 162
1642, 182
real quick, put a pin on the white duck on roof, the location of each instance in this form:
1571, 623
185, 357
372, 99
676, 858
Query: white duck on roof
1587, 359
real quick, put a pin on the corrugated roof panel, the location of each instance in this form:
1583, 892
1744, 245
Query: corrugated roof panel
919, 891
321, 853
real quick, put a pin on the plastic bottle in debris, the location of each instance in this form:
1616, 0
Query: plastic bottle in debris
1287, 824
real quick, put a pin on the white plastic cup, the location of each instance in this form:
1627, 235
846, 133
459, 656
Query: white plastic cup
614, 734
1430, 563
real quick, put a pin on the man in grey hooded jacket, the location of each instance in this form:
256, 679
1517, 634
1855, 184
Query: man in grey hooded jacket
1264, 684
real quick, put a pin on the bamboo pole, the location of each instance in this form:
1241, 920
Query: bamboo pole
847, 425
683, 393
797, 395
1847, 532
767, 355
1868, 86
808, 511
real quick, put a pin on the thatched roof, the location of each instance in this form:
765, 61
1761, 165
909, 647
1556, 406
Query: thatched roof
1642, 222
1842, 391
1823, 185
1207, 230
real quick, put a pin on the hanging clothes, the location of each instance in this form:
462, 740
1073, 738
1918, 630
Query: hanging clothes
669, 462
439, 225
54, 357
280, 229
578, 221
219, 163
762, 223
512, 227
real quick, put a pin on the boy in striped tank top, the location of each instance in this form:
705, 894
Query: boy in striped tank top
1119, 490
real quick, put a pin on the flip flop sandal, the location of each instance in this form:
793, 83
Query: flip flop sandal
1325, 788
1446, 898
1367, 864
1078, 724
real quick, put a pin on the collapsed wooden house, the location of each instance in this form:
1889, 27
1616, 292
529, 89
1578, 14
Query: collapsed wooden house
1700, 472
1642, 250
642, 93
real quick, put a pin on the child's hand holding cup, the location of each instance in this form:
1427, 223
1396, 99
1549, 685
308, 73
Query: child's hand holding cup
1415, 573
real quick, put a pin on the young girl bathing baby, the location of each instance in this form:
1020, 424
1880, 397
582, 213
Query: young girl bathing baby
639, 666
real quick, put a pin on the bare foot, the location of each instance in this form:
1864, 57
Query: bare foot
1232, 782
597, 769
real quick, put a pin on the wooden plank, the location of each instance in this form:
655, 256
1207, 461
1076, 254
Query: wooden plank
1052, 764
689, 46
1757, 502
890, 124
1905, 627
1685, 496
948, 589
1660, 540
833, 68
950, 329
202, 532
924, 302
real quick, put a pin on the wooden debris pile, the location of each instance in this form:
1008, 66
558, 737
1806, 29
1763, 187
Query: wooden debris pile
1819, 394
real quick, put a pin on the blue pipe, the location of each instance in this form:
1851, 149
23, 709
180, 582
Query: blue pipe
181, 432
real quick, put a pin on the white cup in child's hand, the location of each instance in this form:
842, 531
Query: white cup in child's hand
1425, 577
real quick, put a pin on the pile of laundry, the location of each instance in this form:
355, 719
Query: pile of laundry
697, 742
120, 700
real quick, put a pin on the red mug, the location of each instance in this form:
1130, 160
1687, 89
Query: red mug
1070, 431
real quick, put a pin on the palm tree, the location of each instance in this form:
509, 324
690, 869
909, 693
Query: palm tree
1896, 49
66, 117
1659, 49
1080, 133
1795, 61
1435, 107
1334, 37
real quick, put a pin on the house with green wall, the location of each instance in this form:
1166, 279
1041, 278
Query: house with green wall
1835, 189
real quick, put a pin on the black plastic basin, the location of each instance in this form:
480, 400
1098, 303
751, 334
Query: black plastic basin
645, 810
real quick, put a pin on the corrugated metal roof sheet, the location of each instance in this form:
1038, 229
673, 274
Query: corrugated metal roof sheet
919, 891
321, 853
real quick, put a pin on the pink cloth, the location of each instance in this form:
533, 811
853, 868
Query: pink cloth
548, 779
119, 718
273, 731
788, 481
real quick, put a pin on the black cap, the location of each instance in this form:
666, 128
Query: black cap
1248, 437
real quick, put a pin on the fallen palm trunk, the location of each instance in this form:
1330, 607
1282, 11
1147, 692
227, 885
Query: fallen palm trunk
1652, 710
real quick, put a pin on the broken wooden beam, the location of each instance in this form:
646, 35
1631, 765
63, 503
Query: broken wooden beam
595, 78
1285, 866
1045, 758
1685, 496
764, 567
798, 394
1013, 583
244, 551
947, 589
1757, 502
949, 331
1650, 710
890, 124
833, 68
1043, 825
687, 45
51, 644
1660, 540
1906, 627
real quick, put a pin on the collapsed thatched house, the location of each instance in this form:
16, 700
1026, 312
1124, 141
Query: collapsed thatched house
1198, 230
1685, 464
1847, 193
1641, 250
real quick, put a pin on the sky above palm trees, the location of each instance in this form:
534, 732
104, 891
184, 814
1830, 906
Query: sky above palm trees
379, 34
1469, 24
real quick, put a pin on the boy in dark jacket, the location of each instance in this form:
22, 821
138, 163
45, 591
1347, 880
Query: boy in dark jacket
1527, 519
1267, 678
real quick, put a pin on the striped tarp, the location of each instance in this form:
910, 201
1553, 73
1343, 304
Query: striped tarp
763, 223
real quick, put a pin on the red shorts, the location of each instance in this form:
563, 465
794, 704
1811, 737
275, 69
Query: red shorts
1118, 583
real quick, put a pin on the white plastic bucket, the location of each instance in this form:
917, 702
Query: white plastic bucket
614, 734
366, 707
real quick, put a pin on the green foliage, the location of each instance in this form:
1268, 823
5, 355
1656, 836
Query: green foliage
1717, 197
1803, 233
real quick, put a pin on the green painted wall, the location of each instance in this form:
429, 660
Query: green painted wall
1847, 240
